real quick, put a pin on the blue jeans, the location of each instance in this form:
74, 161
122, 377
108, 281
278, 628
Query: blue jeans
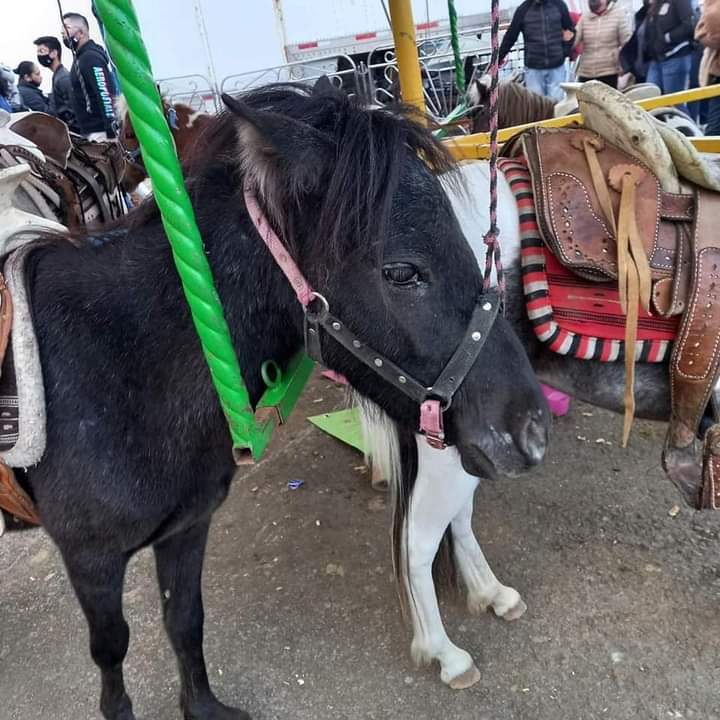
713, 121
546, 82
671, 75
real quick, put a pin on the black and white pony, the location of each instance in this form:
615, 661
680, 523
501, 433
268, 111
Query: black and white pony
433, 489
138, 453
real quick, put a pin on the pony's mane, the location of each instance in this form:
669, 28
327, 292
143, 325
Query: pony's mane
517, 104
371, 146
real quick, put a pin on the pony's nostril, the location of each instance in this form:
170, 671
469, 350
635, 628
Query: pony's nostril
532, 439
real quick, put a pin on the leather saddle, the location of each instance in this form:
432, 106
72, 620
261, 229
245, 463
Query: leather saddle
605, 216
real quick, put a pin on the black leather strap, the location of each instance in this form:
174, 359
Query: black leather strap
468, 350
450, 379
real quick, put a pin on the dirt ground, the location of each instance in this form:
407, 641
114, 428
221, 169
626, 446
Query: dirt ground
301, 615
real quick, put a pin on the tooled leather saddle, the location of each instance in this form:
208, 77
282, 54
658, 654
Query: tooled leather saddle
603, 214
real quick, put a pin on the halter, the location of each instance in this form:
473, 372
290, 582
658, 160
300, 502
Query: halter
134, 157
433, 400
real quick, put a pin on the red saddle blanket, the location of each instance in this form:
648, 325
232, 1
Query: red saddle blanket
574, 316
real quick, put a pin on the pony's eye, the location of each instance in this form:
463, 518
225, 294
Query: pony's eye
401, 274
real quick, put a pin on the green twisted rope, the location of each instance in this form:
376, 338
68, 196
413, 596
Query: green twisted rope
455, 41
127, 50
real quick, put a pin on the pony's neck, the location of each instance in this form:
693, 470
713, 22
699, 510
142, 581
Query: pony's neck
472, 208
263, 314
129, 287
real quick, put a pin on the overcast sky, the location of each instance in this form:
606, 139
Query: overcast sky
243, 33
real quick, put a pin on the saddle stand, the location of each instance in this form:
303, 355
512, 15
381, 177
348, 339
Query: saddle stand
604, 215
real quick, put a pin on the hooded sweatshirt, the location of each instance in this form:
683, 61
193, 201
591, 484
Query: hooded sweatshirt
93, 89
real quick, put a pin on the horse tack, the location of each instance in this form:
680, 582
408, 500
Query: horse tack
13, 498
680, 259
433, 400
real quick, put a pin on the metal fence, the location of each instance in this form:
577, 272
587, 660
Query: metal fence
372, 75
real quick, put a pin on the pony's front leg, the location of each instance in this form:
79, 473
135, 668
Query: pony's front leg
179, 561
484, 589
439, 493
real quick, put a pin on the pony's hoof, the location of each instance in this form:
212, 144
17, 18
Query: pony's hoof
216, 711
466, 679
122, 710
505, 602
515, 612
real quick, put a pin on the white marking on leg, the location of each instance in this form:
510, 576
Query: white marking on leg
484, 589
439, 493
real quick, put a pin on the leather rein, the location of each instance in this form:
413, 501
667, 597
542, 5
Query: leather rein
433, 400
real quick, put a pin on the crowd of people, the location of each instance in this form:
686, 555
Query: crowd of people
663, 44
82, 97
671, 43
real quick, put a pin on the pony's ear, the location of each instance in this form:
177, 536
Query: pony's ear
282, 158
478, 91
469, 68
323, 86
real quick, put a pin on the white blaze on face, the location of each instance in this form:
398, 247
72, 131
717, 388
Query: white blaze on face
472, 209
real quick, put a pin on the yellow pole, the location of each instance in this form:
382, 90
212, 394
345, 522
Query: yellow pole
403, 28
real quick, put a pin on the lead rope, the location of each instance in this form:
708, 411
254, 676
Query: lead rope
492, 256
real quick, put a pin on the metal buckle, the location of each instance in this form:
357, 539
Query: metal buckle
436, 440
319, 316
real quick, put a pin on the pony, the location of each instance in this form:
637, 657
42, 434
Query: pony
518, 106
432, 491
187, 127
138, 454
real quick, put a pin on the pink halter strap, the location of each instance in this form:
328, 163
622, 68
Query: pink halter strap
303, 290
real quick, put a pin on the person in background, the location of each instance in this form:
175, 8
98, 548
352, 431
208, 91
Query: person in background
602, 32
93, 86
30, 79
548, 33
707, 33
13, 95
49, 55
632, 57
668, 46
5, 94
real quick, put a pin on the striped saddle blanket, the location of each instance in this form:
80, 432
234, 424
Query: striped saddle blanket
571, 315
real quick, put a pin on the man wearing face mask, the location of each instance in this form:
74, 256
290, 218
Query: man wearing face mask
49, 54
93, 85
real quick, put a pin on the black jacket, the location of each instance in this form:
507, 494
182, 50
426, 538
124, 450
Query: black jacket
541, 23
61, 100
93, 90
632, 55
33, 97
669, 31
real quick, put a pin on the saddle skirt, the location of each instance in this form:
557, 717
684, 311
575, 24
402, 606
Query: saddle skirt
22, 395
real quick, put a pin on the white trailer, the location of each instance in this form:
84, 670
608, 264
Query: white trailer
200, 46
